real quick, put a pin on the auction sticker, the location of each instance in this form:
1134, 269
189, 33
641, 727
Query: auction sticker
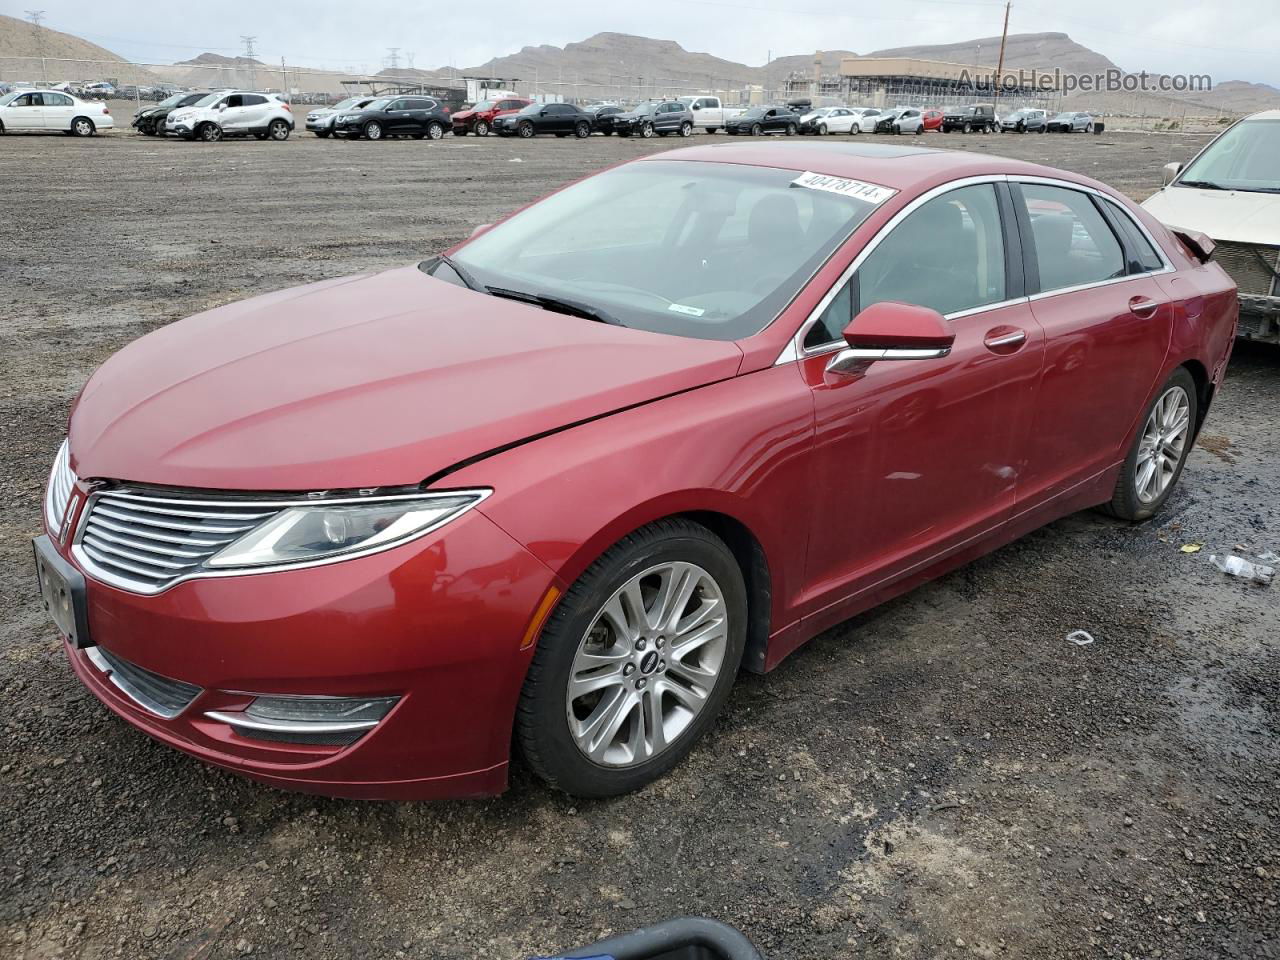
871, 193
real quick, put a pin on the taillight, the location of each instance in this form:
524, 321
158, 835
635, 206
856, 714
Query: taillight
105, 110
287, 107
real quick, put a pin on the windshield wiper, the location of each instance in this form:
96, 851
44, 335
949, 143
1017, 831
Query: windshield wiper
572, 308
1202, 184
463, 275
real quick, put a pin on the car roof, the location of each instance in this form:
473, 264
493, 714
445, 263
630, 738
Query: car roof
1265, 115
903, 168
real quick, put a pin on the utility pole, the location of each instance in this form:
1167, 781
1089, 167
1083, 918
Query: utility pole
1000, 65
249, 55
35, 16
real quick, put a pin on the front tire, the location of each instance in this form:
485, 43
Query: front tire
582, 130
756, 130
647, 131
481, 128
209, 132
1159, 451
526, 130
822, 129
372, 130
635, 663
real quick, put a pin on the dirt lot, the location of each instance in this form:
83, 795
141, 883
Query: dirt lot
944, 777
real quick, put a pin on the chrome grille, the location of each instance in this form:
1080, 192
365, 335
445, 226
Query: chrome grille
61, 481
145, 542
1247, 264
163, 696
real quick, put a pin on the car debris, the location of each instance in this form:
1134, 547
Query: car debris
1243, 569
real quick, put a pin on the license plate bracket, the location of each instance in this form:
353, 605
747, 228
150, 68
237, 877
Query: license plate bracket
62, 591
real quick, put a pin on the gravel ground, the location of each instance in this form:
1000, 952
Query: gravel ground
943, 777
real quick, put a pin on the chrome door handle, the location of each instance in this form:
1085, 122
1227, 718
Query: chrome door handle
1142, 307
1009, 339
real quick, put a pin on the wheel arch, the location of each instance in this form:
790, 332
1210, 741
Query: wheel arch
712, 510
1204, 390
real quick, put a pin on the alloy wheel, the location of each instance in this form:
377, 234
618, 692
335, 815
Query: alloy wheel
482, 128
822, 129
647, 664
526, 129
279, 130
435, 131
1163, 444
373, 131
83, 128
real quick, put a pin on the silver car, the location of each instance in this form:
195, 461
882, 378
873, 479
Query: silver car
320, 122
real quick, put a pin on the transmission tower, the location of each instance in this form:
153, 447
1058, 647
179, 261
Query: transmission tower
252, 64
393, 58
35, 16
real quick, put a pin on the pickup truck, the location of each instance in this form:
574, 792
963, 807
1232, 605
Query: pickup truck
709, 113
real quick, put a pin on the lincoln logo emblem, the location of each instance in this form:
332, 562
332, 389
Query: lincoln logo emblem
649, 662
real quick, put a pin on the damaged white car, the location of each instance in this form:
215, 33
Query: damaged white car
1230, 191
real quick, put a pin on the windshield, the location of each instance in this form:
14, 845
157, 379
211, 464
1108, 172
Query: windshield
172, 101
346, 104
379, 104
8, 97
755, 112
1065, 116
822, 112
706, 250
483, 105
1246, 157
208, 100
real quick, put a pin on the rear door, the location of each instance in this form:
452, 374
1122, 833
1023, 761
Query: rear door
1107, 325
59, 111
255, 109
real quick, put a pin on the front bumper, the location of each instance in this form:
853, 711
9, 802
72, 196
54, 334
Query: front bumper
437, 622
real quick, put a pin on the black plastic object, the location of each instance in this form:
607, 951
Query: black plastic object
682, 938
1098, 127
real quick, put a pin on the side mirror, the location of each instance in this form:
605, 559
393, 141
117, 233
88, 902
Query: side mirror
696, 107
480, 228
1170, 170
893, 331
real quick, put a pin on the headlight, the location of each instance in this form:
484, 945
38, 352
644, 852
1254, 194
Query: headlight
319, 531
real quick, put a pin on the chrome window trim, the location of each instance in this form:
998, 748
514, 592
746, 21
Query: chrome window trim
91, 568
795, 349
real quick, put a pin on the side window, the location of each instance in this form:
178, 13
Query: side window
1143, 257
235, 100
252, 100
831, 324
1074, 245
396, 105
947, 255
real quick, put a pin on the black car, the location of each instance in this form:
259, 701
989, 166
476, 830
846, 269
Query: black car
410, 116
151, 120
561, 119
979, 117
602, 116
671, 116
760, 120
1025, 121
1071, 122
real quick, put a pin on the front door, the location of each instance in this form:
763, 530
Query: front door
912, 458
25, 112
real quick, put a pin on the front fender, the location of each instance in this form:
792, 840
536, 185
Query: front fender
740, 448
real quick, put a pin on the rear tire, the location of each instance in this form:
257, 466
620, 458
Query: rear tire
278, 131
1159, 451
435, 130
686, 129
552, 722
82, 127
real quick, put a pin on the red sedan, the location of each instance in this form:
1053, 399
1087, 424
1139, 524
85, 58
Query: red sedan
554, 489
932, 119
479, 119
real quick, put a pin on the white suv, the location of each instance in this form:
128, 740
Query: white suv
233, 113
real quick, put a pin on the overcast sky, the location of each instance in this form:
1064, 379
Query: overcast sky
1230, 40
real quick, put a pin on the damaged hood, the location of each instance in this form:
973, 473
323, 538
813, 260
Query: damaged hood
366, 381
1237, 216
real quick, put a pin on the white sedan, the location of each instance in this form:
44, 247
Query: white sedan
829, 120
868, 117
24, 110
